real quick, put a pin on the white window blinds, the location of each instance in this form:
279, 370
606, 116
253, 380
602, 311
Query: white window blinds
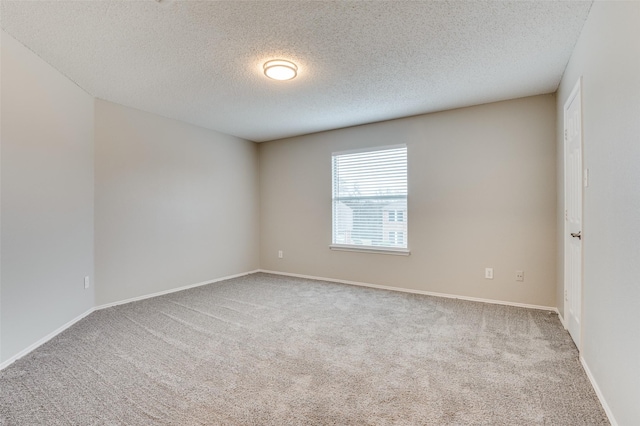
370, 198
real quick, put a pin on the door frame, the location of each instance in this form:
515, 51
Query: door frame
577, 90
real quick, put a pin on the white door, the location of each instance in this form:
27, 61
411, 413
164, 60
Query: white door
573, 213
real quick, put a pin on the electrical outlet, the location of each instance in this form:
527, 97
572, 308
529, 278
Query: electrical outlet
519, 275
488, 273
86, 282
280, 254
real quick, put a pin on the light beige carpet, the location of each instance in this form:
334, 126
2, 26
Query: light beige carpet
271, 350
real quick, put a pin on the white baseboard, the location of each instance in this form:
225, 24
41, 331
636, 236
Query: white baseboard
54, 333
108, 305
44, 340
173, 290
596, 388
408, 290
564, 324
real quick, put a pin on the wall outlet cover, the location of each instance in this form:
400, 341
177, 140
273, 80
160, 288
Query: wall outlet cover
488, 273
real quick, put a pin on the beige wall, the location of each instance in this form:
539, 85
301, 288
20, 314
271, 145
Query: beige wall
175, 204
47, 199
607, 56
481, 194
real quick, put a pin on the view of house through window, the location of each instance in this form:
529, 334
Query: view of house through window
370, 198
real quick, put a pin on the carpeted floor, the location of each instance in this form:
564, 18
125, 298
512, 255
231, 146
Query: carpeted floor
271, 350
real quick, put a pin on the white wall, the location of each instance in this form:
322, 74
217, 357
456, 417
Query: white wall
47, 199
607, 56
481, 194
175, 204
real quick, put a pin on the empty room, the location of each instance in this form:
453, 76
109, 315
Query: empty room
319, 212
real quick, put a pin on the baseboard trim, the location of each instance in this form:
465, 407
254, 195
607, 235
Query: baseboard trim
564, 324
408, 290
596, 388
54, 333
173, 290
59, 330
44, 340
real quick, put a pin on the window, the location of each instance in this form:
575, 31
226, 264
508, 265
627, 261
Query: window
396, 238
396, 216
370, 200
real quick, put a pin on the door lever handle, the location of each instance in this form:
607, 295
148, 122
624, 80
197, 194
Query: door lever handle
577, 235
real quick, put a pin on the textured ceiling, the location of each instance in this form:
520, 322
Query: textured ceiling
359, 62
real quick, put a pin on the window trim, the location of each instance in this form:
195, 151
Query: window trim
401, 251
369, 249
372, 148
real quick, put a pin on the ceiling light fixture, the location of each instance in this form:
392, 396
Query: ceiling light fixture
279, 69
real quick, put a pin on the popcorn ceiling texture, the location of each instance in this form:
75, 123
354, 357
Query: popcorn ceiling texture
270, 350
360, 62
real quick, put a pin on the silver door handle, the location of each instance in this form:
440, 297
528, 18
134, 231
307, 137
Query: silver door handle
577, 235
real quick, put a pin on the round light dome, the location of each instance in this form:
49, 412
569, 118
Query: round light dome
280, 69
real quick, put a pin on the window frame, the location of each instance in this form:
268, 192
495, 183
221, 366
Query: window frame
398, 251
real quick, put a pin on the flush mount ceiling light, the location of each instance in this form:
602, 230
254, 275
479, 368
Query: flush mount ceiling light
279, 69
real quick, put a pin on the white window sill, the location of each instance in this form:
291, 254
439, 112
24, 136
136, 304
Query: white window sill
369, 249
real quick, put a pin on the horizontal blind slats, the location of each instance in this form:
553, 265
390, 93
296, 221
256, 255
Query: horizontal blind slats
370, 198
